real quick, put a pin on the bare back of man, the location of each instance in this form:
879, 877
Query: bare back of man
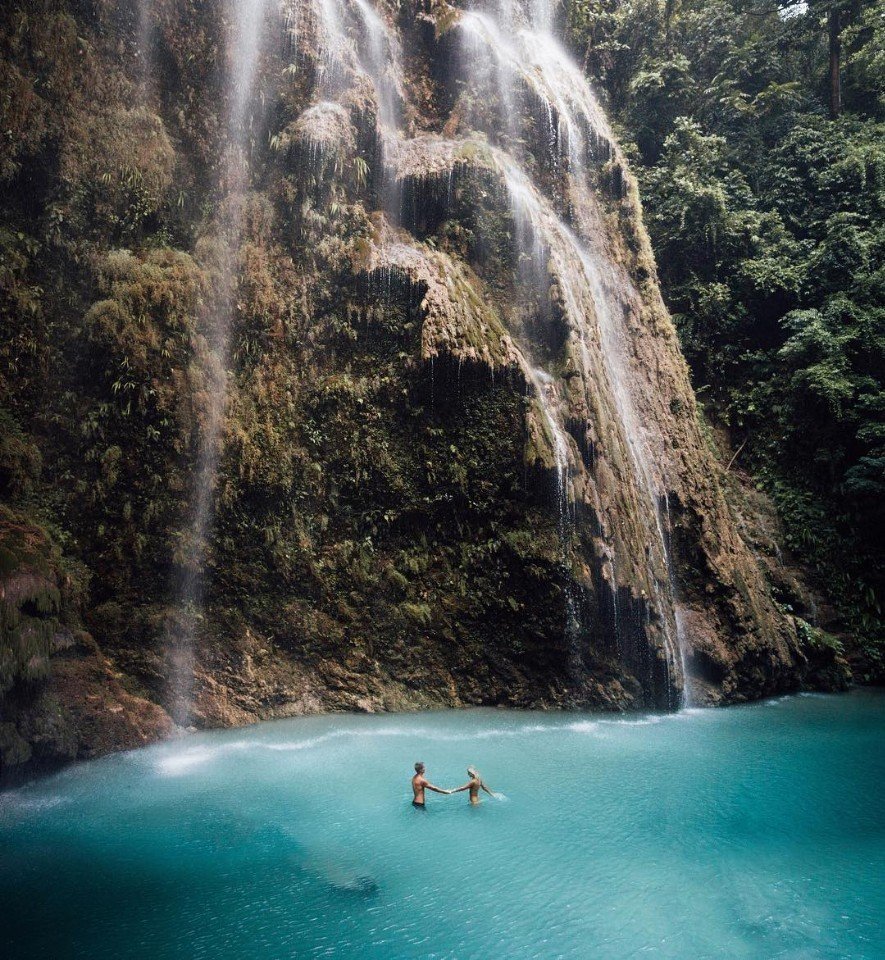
419, 784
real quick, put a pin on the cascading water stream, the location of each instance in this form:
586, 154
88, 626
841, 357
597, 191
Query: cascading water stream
246, 24
526, 65
380, 57
530, 248
544, 387
144, 51
353, 39
573, 116
617, 364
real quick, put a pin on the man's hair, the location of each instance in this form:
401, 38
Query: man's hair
419, 767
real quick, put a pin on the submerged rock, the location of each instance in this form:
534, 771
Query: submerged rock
356, 886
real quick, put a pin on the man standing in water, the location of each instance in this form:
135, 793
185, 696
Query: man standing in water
420, 784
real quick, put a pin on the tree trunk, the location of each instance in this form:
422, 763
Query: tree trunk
835, 61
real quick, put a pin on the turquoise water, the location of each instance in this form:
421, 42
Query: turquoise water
749, 832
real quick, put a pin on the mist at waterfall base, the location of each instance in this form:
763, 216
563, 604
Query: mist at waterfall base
748, 832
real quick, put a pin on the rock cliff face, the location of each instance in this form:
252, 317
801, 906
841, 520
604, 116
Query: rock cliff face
334, 375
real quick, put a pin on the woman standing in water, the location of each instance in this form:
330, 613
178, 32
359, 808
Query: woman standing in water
474, 785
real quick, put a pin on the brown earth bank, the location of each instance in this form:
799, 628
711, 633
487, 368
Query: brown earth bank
391, 529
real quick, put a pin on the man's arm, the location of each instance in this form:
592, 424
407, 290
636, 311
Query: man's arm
430, 786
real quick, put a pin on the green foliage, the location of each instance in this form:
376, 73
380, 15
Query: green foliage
766, 217
30, 599
20, 459
418, 613
144, 367
864, 36
818, 639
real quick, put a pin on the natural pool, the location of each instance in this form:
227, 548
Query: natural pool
749, 832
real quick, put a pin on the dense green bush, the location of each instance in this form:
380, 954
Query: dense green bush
764, 198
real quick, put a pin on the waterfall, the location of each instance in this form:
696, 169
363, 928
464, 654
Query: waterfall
544, 387
381, 59
526, 54
617, 365
530, 247
353, 39
244, 46
143, 44
529, 108
355, 43
523, 88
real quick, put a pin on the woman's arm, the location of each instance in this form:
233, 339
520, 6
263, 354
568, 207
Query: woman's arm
430, 786
461, 789
489, 792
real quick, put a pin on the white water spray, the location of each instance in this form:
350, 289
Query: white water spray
592, 288
246, 23
144, 25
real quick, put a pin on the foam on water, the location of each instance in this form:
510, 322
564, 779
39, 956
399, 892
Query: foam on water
746, 833
584, 726
180, 760
21, 802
